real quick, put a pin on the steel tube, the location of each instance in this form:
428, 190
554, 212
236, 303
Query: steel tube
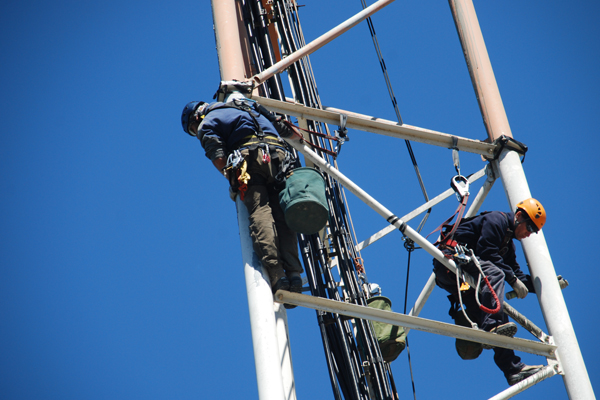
285, 352
274, 376
320, 41
483, 192
436, 200
524, 322
263, 324
379, 126
545, 373
227, 38
423, 296
552, 303
422, 324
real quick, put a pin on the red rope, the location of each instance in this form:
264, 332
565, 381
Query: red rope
359, 265
323, 135
331, 153
484, 308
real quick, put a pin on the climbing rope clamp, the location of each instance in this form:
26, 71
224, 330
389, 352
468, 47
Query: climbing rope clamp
341, 134
460, 184
460, 256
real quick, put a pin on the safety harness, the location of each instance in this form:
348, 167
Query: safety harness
262, 141
461, 255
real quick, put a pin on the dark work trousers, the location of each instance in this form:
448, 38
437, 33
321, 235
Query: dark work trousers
505, 359
275, 244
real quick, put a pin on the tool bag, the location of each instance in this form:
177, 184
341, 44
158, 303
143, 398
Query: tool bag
391, 338
304, 201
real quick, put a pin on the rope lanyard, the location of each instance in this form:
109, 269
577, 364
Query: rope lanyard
323, 135
487, 282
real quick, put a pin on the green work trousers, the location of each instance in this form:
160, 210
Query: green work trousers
275, 244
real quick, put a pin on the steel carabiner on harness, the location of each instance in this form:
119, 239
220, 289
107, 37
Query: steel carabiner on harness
234, 160
460, 256
460, 184
266, 157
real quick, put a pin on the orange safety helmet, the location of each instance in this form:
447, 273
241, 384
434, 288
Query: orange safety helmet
534, 210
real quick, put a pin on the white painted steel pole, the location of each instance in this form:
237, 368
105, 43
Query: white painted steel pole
274, 382
262, 317
554, 309
320, 41
285, 353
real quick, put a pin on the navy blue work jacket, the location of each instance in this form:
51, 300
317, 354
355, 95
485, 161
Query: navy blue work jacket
484, 235
224, 129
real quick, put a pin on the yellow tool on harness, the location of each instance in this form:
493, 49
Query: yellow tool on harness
243, 178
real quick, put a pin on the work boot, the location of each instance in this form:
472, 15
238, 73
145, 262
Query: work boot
282, 283
295, 282
524, 373
295, 287
508, 329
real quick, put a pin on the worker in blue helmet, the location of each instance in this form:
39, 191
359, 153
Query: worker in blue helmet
242, 139
490, 236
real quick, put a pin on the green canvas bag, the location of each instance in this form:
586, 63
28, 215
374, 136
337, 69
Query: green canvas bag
304, 201
391, 338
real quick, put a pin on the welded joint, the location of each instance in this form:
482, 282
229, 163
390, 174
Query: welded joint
491, 174
554, 362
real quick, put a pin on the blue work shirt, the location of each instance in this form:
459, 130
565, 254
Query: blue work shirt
484, 234
224, 129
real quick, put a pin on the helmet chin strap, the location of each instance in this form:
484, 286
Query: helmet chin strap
516, 221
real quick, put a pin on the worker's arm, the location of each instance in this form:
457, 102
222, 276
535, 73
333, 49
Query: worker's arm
219, 164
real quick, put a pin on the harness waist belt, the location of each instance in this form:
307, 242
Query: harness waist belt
250, 140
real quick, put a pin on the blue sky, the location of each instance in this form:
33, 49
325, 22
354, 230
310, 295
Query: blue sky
120, 269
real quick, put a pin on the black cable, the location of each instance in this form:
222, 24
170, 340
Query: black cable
409, 245
346, 350
395, 105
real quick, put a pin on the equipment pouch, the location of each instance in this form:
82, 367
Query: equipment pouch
391, 338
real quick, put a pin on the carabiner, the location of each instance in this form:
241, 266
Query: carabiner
266, 157
460, 184
234, 160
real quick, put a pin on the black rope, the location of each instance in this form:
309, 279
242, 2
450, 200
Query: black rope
409, 245
397, 111
346, 349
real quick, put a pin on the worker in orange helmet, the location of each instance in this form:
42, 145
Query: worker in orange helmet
490, 236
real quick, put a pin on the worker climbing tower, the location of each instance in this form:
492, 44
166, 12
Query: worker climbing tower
259, 40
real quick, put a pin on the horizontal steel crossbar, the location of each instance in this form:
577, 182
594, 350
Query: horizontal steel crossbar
377, 125
422, 324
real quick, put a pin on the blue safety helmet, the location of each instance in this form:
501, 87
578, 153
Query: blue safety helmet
188, 111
